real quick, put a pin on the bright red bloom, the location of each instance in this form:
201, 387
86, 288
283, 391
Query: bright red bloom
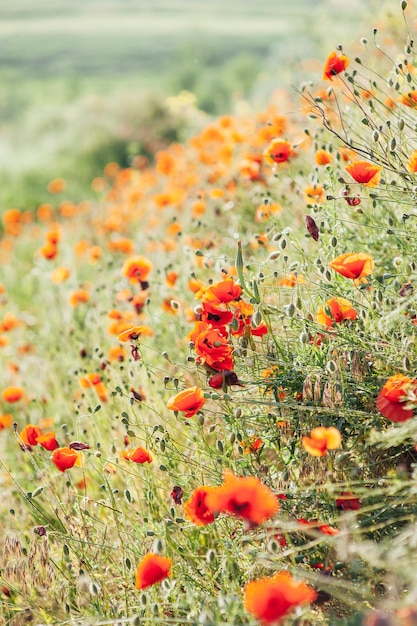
222, 292
394, 398
245, 497
322, 439
334, 64
340, 310
30, 434
48, 441
365, 173
139, 455
188, 401
152, 569
278, 151
269, 599
196, 509
65, 458
353, 265
212, 347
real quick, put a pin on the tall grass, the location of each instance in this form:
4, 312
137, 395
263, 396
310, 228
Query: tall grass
201, 317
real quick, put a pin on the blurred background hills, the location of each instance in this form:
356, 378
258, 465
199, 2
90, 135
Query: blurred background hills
91, 81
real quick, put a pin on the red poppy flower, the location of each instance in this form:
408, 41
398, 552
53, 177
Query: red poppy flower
353, 265
65, 458
222, 292
12, 394
151, 570
365, 173
188, 401
334, 64
279, 151
270, 599
212, 347
245, 497
322, 439
30, 434
48, 441
196, 509
139, 455
340, 310
395, 397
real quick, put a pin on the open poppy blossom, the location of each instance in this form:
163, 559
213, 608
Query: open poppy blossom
322, 439
196, 509
48, 441
222, 292
151, 570
188, 401
279, 151
365, 173
12, 394
334, 64
139, 455
134, 332
137, 269
353, 265
30, 434
245, 497
270, 599
212, 346
65, 458
396, 399
340, 310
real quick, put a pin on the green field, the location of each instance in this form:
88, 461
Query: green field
80, 80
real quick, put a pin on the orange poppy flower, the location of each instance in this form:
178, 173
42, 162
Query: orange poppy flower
340, 309
140, 455
322, 439
395, 398
313, 193
409, 99
9, 322
334, 64
322, 157
65, 458
79, 296
47, 441
134, 332
152, 569
278, 151
412, 162
188, 401
30, 434
196, 509
12, 394
245, 497
269, 599
5, 420
364, 173
137, 269
222, 292
212, 346
353, 265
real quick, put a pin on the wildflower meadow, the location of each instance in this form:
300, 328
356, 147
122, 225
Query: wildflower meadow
209, 371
